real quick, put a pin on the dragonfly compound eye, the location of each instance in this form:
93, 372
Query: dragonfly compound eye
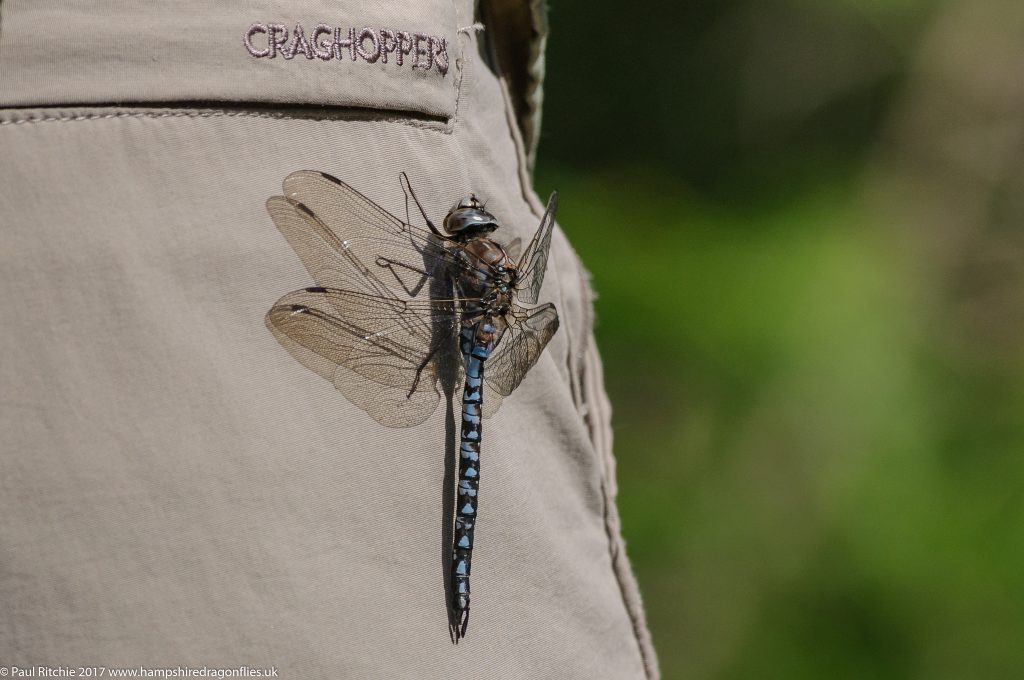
468, 217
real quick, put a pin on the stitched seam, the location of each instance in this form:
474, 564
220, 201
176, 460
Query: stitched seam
460, 63
598, 422
636, 621
595, 410
440, 127
513, 130
587, 297
535, 93
537, 208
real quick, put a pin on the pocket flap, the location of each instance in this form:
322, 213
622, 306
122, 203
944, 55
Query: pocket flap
394, 56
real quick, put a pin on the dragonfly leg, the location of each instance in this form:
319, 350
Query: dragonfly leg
419, 371
394, 266
407, 188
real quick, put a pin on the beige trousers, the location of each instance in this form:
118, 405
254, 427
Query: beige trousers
175, 489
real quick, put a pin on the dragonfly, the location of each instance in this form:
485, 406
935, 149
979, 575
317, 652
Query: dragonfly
401, 314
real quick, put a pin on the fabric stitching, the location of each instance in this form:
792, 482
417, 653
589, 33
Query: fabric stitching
597, 419
439, 127
435, 53
535, 97
637, 625
460, 63
601, 449
594, 417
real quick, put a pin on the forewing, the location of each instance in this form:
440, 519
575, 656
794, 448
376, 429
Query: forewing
520, 347
369, 240
381, 353
534, 260
331, 262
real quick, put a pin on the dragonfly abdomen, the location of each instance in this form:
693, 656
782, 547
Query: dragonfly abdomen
475, 354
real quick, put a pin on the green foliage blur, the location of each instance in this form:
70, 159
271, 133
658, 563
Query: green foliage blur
803, 222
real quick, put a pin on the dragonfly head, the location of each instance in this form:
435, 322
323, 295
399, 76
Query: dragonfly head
468, 218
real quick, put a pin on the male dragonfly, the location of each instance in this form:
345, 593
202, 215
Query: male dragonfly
400, 311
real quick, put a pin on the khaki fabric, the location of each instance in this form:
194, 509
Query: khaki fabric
519, 32
175, 489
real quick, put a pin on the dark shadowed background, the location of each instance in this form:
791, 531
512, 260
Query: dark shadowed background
803, 221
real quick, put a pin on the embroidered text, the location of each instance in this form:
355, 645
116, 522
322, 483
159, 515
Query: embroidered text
418, 50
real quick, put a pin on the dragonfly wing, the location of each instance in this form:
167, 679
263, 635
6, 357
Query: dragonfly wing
383, 354
369, 240
514, 248
331, 262
534, 260
520, 347
492, 400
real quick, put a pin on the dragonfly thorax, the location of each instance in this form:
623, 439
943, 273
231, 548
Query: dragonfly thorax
468, 219
488, 275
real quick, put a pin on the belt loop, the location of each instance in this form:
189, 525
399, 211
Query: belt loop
518, 31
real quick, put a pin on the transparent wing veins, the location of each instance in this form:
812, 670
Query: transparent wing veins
520, 347
534, 260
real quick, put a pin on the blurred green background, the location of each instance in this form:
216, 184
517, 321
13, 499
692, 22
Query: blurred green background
803, 221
